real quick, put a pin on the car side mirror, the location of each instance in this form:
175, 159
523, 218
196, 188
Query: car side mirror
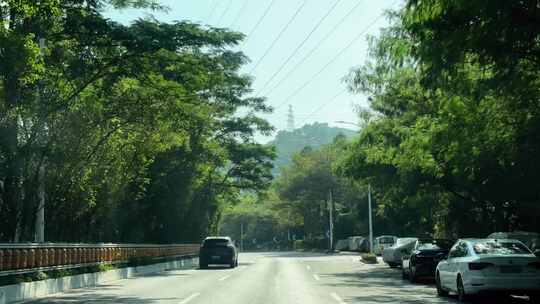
537, 252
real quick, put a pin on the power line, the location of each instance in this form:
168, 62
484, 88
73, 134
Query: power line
212, 10
356, 38
237, 17
315, 48
334, 98
300, 45
291, 20
259, 21
224, 12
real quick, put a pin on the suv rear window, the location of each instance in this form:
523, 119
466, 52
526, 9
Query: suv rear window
215, 242
435, 244
501, 248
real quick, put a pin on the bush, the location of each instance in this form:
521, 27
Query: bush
369, 258
299, 245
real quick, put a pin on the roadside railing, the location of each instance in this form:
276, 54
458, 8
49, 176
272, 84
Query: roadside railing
31, 257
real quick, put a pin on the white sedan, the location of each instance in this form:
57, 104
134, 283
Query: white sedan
476, 266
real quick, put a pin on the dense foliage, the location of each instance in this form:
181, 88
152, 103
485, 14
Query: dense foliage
455, 125
129, 133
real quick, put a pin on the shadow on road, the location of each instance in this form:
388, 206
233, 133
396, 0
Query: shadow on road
89, 296
292, 254
385, 285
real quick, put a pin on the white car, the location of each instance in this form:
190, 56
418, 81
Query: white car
476, 266
394, 254
382, 242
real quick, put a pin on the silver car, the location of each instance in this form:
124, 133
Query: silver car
393, 255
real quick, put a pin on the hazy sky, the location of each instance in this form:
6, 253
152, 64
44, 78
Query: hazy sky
311, 88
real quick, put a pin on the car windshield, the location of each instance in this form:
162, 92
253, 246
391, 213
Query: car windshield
216, 242
386, 240
500, 248
434, 244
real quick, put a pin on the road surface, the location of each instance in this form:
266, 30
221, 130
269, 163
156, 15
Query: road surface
262, 278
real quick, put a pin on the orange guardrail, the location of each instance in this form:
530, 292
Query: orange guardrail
27, 257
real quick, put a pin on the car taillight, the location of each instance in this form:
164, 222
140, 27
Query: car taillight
535, 265
479, 266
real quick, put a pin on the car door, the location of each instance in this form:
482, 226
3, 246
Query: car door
445, 266
460, 252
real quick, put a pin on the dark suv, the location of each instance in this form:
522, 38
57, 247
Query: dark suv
218, 250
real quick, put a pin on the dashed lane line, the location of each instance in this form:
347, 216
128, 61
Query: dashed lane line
191, 297
316, 277
308, 267
224, 278
337, 298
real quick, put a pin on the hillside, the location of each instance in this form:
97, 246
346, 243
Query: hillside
287, 143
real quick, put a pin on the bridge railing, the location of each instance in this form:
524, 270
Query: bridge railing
29, 257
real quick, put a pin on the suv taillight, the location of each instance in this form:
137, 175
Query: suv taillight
479, 266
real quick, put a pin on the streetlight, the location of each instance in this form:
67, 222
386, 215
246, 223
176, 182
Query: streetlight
369, 196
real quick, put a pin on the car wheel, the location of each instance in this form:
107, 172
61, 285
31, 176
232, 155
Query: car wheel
233, 264
404, 274
412, 275
462, 297
440, 291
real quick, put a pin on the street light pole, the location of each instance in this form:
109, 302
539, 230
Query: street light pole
331, 219
370, 221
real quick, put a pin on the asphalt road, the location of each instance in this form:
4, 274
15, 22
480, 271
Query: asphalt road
262, 278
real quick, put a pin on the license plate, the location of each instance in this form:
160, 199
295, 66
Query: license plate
215, 257
511, 269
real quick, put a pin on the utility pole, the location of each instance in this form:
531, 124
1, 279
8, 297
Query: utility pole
39, 229
242, 236
331, 219
370, 221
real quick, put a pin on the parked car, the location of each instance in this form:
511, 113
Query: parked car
382, 242
218, 250
476, 266
342, 245
393, 255
425, 256
358, 243
530, 239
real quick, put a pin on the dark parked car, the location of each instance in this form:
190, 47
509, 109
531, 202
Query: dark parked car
424, 257
218, 250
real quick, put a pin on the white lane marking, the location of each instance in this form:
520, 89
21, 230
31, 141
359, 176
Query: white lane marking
224, 278
337, 298
308, 267
316, 277
191, 297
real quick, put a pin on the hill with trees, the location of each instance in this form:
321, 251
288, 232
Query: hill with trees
315, 135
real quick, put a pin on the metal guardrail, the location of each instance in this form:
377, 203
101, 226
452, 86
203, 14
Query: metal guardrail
17, 258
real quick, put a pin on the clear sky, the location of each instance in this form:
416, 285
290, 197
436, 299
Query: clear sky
312, 86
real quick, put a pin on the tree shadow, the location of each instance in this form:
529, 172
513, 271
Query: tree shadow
385, 285
86, 296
